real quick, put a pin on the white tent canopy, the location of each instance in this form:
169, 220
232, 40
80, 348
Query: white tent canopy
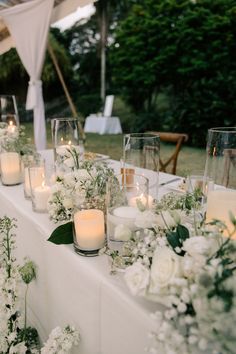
28, 23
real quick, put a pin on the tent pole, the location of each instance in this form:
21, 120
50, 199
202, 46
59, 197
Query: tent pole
61, 78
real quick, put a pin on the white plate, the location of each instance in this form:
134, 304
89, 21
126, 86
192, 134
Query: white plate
175, 189
95, 156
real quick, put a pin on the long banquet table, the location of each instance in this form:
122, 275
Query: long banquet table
71, 289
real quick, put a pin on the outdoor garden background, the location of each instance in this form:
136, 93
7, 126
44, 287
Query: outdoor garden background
171, 65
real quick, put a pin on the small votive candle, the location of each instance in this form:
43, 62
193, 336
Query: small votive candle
219, 204
89, 229
10, 168
40, 198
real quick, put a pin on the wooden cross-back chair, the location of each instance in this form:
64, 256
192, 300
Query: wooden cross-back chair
178, 139
230, 164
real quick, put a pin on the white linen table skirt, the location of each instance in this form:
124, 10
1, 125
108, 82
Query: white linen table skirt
75, 290
102, 125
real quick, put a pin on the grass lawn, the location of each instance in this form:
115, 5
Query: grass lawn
190, 159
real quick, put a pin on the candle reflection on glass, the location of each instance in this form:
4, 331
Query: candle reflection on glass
142, 199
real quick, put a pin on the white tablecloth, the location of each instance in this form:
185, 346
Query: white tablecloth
102, 125
71, 289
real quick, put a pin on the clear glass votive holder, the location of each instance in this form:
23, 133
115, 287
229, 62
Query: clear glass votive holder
9, 112
142, 151
40, 191
11, 168
89, 232
127, 196
30, 161
65, 140
197, 182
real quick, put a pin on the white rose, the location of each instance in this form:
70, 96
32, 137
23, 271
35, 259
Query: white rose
137, 278
122, 233
145, 219
199, 247
69, 162
165, 267
165, 220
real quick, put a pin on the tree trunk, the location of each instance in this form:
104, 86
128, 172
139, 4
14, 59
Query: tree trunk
103, 49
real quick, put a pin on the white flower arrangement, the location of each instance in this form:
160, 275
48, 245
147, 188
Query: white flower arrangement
188, 268
82, 187
15, 336
6, 134
15, 140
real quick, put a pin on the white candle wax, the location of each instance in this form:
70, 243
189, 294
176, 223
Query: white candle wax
129, 212
219, 203
10, 168
124, 215
89, 229
40, 197
146, 201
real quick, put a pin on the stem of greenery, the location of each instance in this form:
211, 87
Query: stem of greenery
25, 318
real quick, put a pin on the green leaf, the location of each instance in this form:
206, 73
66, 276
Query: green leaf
173, 239
182, 232
63, 234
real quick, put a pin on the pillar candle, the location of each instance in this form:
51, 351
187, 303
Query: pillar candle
10, 168
40, 197
90, 229
219, 203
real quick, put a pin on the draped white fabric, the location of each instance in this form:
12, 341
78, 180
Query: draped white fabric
28, 24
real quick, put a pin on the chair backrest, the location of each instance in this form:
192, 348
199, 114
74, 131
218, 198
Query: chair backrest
178, 139
108, 106
230, 165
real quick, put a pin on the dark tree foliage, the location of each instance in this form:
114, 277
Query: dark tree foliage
185, 51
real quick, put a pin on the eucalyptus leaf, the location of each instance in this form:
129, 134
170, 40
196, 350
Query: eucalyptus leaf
63, 234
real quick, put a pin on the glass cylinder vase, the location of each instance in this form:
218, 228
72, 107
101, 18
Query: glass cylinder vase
30, 161
221, 168
127, 196
65, 140
40, 190
9, 112
141, 151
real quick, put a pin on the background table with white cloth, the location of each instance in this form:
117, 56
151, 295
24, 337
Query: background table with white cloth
102, 125
75, 290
